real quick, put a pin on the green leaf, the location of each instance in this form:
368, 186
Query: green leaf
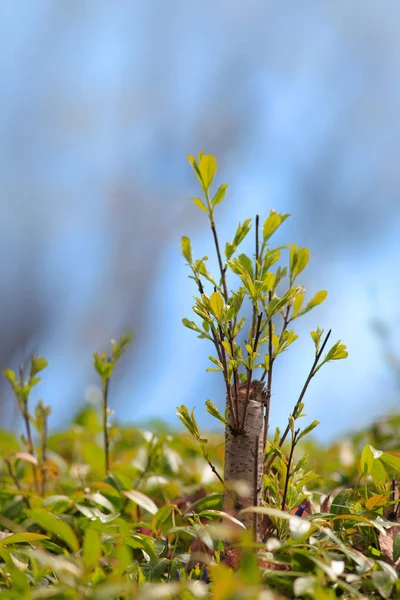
207, 168
384, 582
220, 195
91, 548
163, 515
38, 363
20, 538
317, 299
143, 542
188, 420
191, 325
10, 376
200, 204
396, 548
55, 526
213, 410
219, 514
272, 223
316, 337
246, 263
339, 504
391, 460
142, 500
186, 249
308, 429
367, 460
217, 305
297, 303
195, 167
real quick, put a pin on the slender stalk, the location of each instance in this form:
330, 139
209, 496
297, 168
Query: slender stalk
218, 476
286, 321
15, 480
221, 266
292, 447
44, 458
25, 415
255, 485
222, 358
250, 371
303, 391
269, 383
105, 426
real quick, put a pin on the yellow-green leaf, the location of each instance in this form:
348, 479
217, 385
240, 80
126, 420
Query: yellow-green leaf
54, 525
220, 195
186, 249
91, 548
297, 303
142, 500
200, 204
20, 538
207, 168
217, 305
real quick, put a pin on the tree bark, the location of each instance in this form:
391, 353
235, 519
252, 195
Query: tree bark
244, 455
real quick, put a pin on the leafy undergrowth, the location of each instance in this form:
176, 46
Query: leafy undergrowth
154, 526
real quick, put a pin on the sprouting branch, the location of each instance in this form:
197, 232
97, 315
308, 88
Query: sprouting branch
289, 464
302, 394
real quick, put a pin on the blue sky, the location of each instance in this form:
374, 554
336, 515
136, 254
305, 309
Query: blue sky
102, 102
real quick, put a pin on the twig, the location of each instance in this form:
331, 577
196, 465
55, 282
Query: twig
269, 384
221, 267
255, 484
286, 321
222, 358
15, 480
105, 426
292, 447
44, 457
303, 391
25, 415
250, 371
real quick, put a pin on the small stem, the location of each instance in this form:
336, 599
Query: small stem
286, 321
269, 383
303, 391
218, 476
250, 371
255, 485
151, 451
105, 426
292, 447
25, 414
221, 266
44, 457
222, 358
15, 480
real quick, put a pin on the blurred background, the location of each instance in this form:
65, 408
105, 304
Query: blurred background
100, 104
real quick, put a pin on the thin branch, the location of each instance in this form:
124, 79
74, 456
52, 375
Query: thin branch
15, 480
221, 266
105, 426
214, 470
286, 321
255, 484
25, 414
222, 358
303, 391
44, 457
250, 371
269, 383
292, 447
235, 380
